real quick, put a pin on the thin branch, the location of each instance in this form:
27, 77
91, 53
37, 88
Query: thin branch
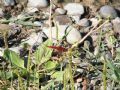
50, 18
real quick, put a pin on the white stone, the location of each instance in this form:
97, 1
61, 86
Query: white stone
76, 18
31, 10
94, 21
74, 9
38, 23
117, 19
34, 39
60, 11
1, 12
93, 82
73, 35
60, 30
1, 52
9, 2
80, 70
116, 25
37, 3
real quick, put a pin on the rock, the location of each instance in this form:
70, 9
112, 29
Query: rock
72, 37
1, 12
94, 21
37, 3
84, 22
95, 37
1, 52
108, 55
60, 11
108, 11
38, 23
74, 9
80, 70
61, 32
76, 18
31, 10
116, 25
96, 50
86, 29
34, 39
9, 2
62, 19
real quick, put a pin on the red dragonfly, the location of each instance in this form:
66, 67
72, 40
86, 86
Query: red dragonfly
58, 48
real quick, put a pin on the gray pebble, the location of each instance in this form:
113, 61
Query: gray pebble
62, 19
37, 3
9, 2
116, 25
84, 22
108, 11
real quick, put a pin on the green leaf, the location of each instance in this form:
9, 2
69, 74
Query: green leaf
14, 58
110, 65
117, 54
6, 75
43, 54
50, 83
58, 75
50, 65
114, 71
112, 40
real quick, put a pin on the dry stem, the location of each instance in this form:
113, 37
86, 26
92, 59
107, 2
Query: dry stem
50, 17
